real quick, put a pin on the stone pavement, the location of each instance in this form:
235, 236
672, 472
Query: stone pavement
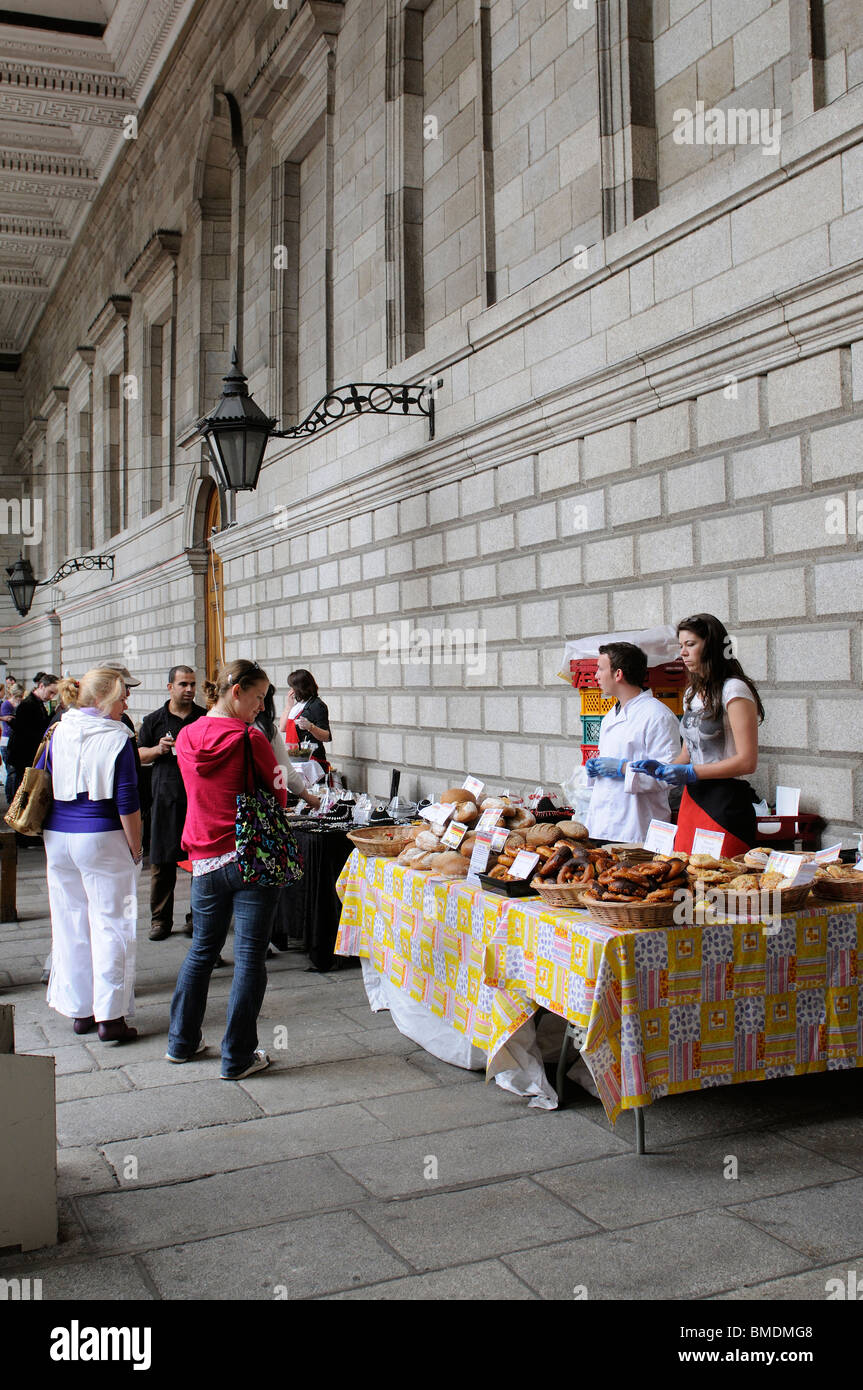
360, 1167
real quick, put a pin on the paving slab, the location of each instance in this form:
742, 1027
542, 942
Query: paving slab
84, 1085
443, 1072
452, 1227
298, 1259
629, 1189
297, 1088
159, 1110
363, 1016
488, 1280
826, 1225
840, 1138
525, 1144
223, 1148
83, 1170
681, 1258
147, 1217
67, 1060
811, 1285
112, 1280
446, 1107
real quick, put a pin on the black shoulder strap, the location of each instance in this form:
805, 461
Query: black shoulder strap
248, 762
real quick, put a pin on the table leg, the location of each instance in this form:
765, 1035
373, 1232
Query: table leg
639, 1130
560, 1077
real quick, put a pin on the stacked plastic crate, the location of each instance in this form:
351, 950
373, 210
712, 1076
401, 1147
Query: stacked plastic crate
667, 682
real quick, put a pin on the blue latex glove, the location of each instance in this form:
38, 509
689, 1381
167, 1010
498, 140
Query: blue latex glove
676, 774
649, 765
605, 767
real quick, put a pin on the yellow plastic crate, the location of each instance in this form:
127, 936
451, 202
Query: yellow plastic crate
594, 702
672, 698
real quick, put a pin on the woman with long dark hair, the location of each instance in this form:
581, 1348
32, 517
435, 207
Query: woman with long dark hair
307, 719
721, 713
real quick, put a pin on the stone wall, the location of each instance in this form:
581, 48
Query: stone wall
664, 425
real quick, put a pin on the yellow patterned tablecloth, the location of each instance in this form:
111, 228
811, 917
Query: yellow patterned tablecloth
665, 1011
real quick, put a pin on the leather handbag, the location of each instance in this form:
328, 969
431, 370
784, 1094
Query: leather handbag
34, 797
268, 856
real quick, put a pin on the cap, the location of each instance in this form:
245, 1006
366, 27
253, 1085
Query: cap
121, 670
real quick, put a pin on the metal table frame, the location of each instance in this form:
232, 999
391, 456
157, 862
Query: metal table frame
576, 1034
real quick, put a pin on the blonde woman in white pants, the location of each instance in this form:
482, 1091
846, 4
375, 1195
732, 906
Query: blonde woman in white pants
93, 848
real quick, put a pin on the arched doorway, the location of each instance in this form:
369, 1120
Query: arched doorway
214, 588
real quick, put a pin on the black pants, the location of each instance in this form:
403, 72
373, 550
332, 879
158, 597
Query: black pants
163, 881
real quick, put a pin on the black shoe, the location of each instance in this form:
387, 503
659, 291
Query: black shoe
188, 929
160, 933
219, 962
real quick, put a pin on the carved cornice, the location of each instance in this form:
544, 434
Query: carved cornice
63, 81
114, 311
316, 19
161, 248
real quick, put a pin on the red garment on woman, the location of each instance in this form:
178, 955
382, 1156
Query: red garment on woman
211, 757
692, 817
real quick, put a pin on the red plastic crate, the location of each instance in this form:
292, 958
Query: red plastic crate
589, 750
802, 831
583, 672
672, 675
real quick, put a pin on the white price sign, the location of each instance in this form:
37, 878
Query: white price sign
827, 856
525, 861
439, 813
708, 842
660, 837
472, 785
791, 866
488, 820
454, 834
479, 857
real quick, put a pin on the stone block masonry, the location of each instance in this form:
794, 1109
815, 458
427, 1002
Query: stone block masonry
665, 425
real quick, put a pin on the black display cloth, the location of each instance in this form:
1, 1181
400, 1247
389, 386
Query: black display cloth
309, 911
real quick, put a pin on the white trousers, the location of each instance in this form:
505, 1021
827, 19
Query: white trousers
93, 892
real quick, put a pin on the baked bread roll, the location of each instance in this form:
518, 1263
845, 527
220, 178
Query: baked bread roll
427, 840
515, 840
411, 855
521, 819
536, 835
449, 863
571, 829
499, 803
466, 813
459, 795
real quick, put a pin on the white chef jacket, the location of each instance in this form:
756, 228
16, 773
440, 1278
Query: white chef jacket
642, 728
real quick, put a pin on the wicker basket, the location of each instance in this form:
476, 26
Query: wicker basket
837, 890
749, 901
559, 894
639, 915
387, 842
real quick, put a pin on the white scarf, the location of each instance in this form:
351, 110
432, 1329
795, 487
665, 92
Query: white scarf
297, 710
84, 749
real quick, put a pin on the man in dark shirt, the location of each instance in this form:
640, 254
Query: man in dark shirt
156, 746
28, 730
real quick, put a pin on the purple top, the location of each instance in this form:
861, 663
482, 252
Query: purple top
85, 817
6, 709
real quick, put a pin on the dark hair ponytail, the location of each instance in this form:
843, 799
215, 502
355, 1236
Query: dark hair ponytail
718, 662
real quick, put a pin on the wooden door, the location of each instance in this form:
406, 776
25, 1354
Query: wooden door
215, 635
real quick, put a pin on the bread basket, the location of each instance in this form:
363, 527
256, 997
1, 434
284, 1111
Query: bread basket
558, 894
637, 915
385, 842
839, 890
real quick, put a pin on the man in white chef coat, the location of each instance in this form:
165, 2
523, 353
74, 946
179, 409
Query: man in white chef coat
624, 802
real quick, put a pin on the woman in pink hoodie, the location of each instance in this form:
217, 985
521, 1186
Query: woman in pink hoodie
212, 764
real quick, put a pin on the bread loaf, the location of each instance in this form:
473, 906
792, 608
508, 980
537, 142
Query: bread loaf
427, 840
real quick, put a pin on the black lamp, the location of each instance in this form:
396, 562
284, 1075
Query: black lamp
237, 433
21, 583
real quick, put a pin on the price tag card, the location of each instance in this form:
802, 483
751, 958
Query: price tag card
660, 837
454, 834
488, 820
827, 856
499, 837
439, 813
479, 857
472, 785
524, 862
708, 842
791, 866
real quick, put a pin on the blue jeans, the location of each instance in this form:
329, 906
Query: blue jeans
215, 896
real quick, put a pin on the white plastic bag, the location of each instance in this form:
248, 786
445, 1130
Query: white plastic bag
577, 792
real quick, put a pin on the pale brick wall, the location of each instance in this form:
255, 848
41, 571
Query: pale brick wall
671, 436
